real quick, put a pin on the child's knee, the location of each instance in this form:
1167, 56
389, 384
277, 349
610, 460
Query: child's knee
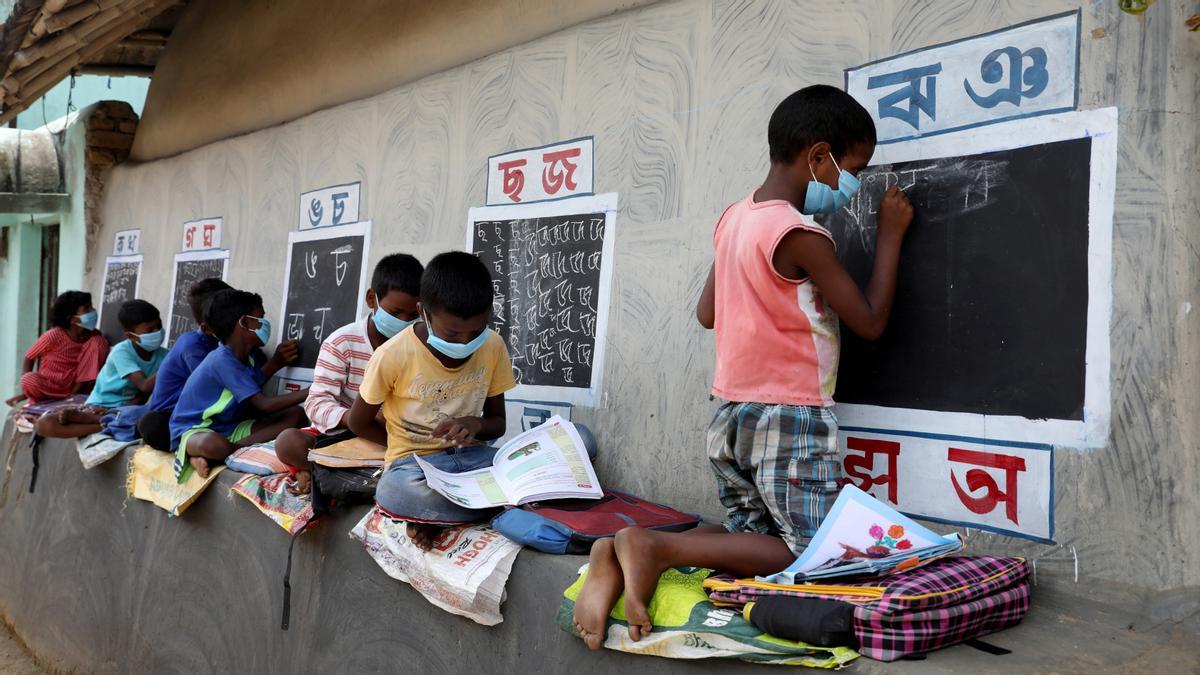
210, 445
403, 492
292, 447
155, 430
30, 386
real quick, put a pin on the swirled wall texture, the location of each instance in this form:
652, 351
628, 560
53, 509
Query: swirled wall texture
677, 95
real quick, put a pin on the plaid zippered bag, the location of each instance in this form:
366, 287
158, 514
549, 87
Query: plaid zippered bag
946, 602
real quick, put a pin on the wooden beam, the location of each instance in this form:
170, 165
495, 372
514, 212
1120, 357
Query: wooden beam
34, 202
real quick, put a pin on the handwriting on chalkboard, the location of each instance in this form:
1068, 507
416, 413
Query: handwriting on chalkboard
944, 188
323, 288
546, 279
120, 285
187, 273
995, 261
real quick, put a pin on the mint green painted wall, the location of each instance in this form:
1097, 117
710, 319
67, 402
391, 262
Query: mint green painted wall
18, 296
19, 274
89, 89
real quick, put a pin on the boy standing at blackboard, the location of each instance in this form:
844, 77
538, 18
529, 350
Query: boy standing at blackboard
392, 298
774, 295
222, 406
440, 384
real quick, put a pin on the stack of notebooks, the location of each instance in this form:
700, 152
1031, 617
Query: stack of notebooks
863, 536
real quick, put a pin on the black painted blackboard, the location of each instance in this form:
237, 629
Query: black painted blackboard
546, 277
188, 272
323, 291
120, 285
991, 303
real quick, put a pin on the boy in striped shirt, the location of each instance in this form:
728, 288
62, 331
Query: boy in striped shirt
392, 298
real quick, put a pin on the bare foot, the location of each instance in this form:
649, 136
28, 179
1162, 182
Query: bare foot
600, 592
641, 566
302, 484
423, 535
200, 465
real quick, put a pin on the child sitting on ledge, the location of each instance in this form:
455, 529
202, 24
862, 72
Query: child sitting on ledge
222, 407
68, 356
127, 377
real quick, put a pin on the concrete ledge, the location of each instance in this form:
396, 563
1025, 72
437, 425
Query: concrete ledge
94, 584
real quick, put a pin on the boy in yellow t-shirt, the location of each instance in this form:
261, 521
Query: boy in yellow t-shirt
441, 386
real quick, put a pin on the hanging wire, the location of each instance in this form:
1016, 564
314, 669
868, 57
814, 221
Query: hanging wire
44, 120
71, 95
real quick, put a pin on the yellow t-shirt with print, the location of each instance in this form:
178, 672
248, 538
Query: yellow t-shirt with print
418, 392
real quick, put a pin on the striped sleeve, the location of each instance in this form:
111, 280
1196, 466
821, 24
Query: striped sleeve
324, 403
42, 345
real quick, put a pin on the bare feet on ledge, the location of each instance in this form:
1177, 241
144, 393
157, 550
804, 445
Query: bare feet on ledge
601, 589
200, 465
423, 535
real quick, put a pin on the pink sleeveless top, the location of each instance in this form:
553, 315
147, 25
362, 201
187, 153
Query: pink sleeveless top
777, 342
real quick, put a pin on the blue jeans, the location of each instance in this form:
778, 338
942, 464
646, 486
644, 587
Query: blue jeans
403, 492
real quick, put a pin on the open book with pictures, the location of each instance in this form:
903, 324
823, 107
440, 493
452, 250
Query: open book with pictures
547, 462
862, 535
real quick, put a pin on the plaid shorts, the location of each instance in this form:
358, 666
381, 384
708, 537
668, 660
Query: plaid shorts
777, 468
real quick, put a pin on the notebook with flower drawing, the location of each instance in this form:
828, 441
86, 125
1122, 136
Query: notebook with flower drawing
862, 535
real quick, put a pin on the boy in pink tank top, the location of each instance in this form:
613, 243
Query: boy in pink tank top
774, 295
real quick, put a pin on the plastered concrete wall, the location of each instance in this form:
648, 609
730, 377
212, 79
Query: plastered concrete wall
677, 95
313, 54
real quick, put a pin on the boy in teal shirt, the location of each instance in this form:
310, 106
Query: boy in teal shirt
127, 376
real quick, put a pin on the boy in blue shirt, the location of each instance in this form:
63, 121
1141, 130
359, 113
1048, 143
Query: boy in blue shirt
127, 377
185, 356
222, 406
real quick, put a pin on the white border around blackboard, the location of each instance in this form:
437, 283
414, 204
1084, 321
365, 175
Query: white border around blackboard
1093, 431
361, 228
117, 260
206, 254
606, 203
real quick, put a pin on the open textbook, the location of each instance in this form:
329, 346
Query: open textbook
862, 535
547, 462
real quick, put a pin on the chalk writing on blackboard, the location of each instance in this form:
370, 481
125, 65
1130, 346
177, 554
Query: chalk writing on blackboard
324, 286
545, 273
551, 267
993, 263
121, 276
189, 268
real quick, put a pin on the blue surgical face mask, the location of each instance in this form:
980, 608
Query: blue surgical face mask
389, 325
152, 340
263, 332
88, 320
820, 198
455, 350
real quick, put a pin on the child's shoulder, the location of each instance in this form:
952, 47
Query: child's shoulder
351, 334
495, 341
54, 334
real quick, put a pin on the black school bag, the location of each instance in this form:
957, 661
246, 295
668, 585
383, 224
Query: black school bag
330, 487
573, 525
